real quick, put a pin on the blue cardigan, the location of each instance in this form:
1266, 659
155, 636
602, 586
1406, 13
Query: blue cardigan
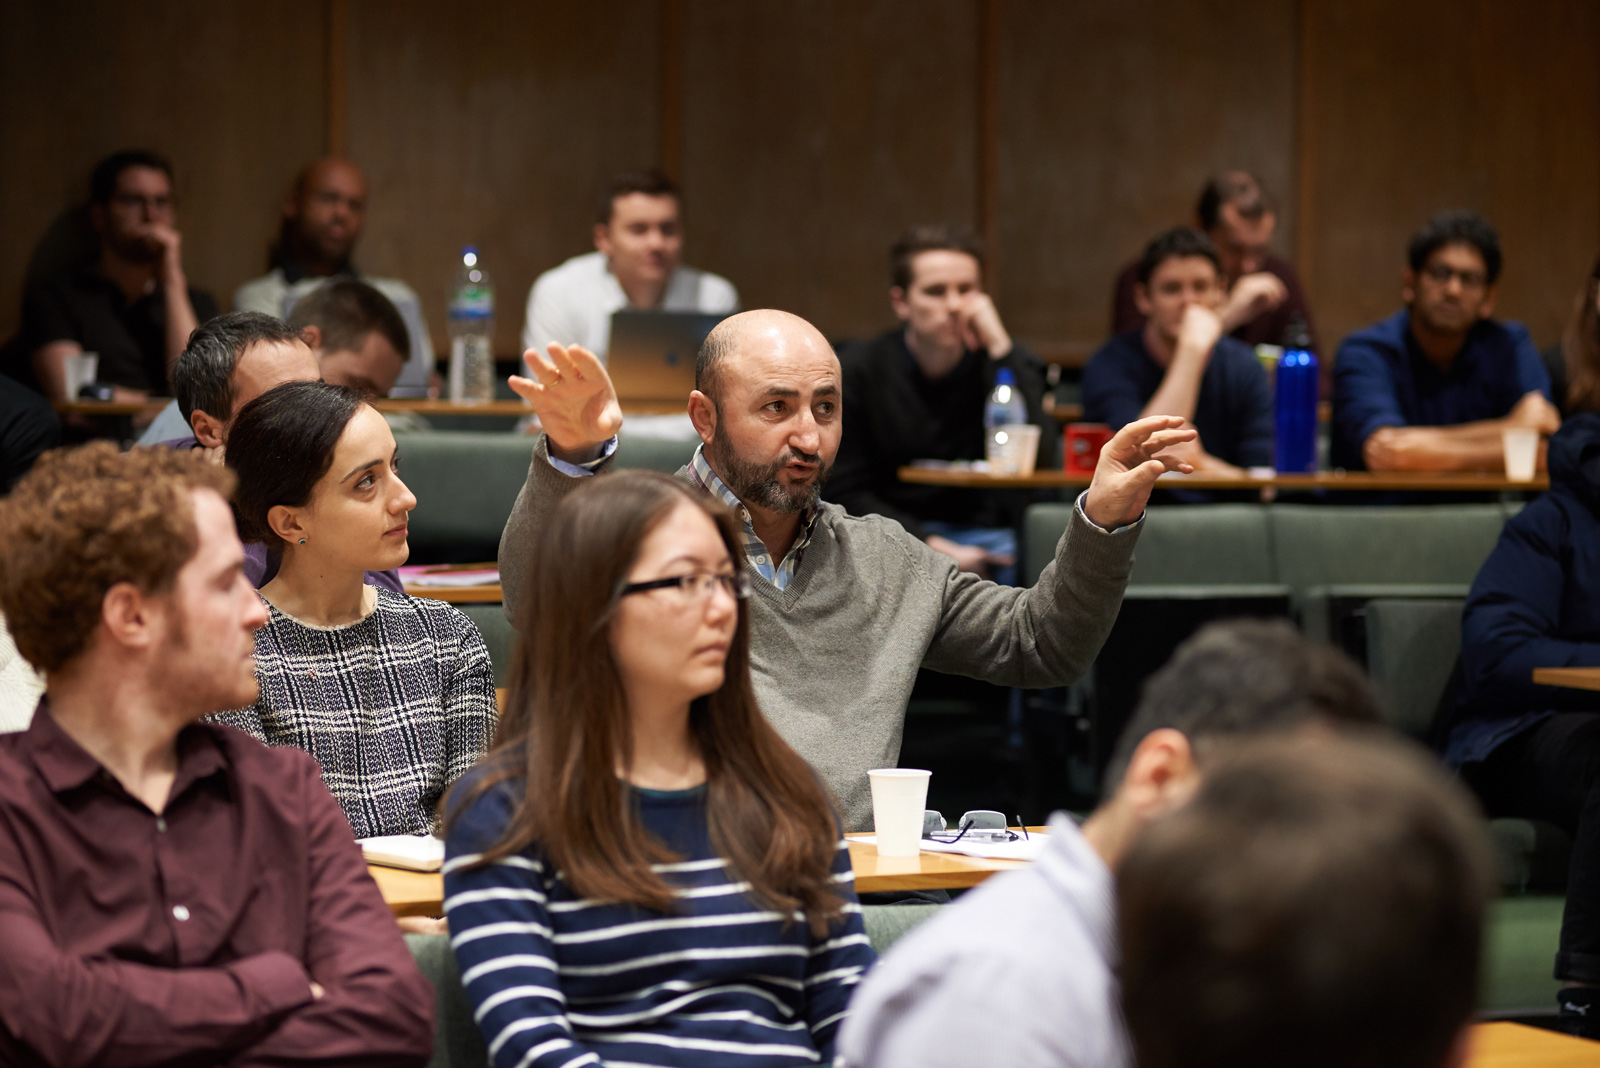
1535, 603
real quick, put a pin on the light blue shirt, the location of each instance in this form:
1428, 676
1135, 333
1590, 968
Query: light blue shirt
1018, 972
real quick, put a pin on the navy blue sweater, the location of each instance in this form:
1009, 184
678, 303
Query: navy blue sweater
555, 979
1233, 411
1535, 603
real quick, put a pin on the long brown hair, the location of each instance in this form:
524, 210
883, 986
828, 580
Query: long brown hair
566, 724
1580, 350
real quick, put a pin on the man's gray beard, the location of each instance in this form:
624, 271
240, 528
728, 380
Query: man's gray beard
758, 485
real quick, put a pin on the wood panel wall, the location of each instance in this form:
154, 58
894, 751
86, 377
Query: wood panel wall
809, 135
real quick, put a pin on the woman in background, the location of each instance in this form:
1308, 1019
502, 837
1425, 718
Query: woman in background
643, 870
393, 695
1574, 365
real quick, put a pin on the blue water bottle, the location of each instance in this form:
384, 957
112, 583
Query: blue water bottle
1298, 378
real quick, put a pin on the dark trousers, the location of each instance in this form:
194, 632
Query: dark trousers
1551, 772
28, 426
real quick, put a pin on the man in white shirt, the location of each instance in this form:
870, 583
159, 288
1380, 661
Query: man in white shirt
322, 220
638, 240
1021, 970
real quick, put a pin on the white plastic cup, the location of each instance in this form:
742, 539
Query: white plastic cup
79, 370
899, 796
1522, 452
1024, 445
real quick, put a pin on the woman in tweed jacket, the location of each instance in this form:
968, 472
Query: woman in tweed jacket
393, 695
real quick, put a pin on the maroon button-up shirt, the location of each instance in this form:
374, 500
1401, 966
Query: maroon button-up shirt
193, 937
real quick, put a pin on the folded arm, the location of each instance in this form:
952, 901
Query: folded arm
377, 1008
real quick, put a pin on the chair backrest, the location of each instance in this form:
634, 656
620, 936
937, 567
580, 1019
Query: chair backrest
498, 635
1212, 544
1322, 545
457, 1042
465, 485
649, 453
1412, 648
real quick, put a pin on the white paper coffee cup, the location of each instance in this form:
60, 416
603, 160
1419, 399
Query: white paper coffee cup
1522, 452
899, 796
79, 370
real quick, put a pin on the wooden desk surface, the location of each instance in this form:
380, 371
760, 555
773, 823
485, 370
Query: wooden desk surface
1578, 678
489, 593
417, 893
1350, 481
1509, 1045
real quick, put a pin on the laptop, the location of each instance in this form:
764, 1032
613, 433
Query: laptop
651, 356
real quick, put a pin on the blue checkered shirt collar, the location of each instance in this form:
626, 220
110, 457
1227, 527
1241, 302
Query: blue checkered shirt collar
755, 550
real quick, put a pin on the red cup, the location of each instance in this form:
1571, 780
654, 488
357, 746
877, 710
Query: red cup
1083, 445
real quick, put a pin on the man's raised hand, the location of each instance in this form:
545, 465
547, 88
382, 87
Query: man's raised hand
574, 399
1129, 465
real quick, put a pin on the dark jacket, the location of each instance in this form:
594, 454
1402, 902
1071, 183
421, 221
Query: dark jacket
1535, 603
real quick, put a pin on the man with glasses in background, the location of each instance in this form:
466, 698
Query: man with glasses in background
132, 305
1432, 387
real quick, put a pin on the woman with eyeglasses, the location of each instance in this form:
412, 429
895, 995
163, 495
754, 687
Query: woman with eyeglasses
393, 695
642, 871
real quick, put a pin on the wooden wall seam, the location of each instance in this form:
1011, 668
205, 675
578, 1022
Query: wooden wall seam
338, 102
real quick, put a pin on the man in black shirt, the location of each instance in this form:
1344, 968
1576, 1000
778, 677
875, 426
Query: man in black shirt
918, 391
132, 305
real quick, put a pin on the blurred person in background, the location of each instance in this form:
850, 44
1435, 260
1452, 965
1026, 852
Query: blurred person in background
322, 220
918, 392
1574, 364
1262, 293
29, 427
637, 263
133, 305
1181, 361
356, 336
1432, 387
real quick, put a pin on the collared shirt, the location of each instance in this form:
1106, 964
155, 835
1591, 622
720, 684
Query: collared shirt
1019, 971
573, 303
1382, 378
130, 337
755, 549
135, 938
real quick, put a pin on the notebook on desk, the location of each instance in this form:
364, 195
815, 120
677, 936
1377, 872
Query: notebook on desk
651, 357
417, 852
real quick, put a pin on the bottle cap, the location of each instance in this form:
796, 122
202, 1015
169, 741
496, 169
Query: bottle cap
469, 255
1004, 377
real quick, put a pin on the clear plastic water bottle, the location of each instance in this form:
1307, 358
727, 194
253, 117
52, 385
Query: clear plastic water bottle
1003, 406
1295, 384
471, 332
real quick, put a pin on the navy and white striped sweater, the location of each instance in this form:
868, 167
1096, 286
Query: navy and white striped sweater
555, 979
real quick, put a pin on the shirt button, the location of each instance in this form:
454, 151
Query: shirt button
180, 912
161, 824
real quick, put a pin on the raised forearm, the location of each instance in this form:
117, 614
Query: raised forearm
1179, 391
181, 319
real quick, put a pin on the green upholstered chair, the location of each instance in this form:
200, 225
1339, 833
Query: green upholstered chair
498, 635
648, 453
457, 1042
465, 484
1413, 646
1336, 557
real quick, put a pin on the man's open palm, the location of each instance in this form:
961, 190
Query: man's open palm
573, 397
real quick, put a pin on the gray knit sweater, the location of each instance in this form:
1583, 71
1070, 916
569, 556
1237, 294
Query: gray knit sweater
834, 655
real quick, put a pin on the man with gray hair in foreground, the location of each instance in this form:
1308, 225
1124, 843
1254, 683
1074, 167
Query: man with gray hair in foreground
1320, 904
844, 609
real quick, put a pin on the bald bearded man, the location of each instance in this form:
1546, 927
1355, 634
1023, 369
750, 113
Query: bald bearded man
844, 609
322, 220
